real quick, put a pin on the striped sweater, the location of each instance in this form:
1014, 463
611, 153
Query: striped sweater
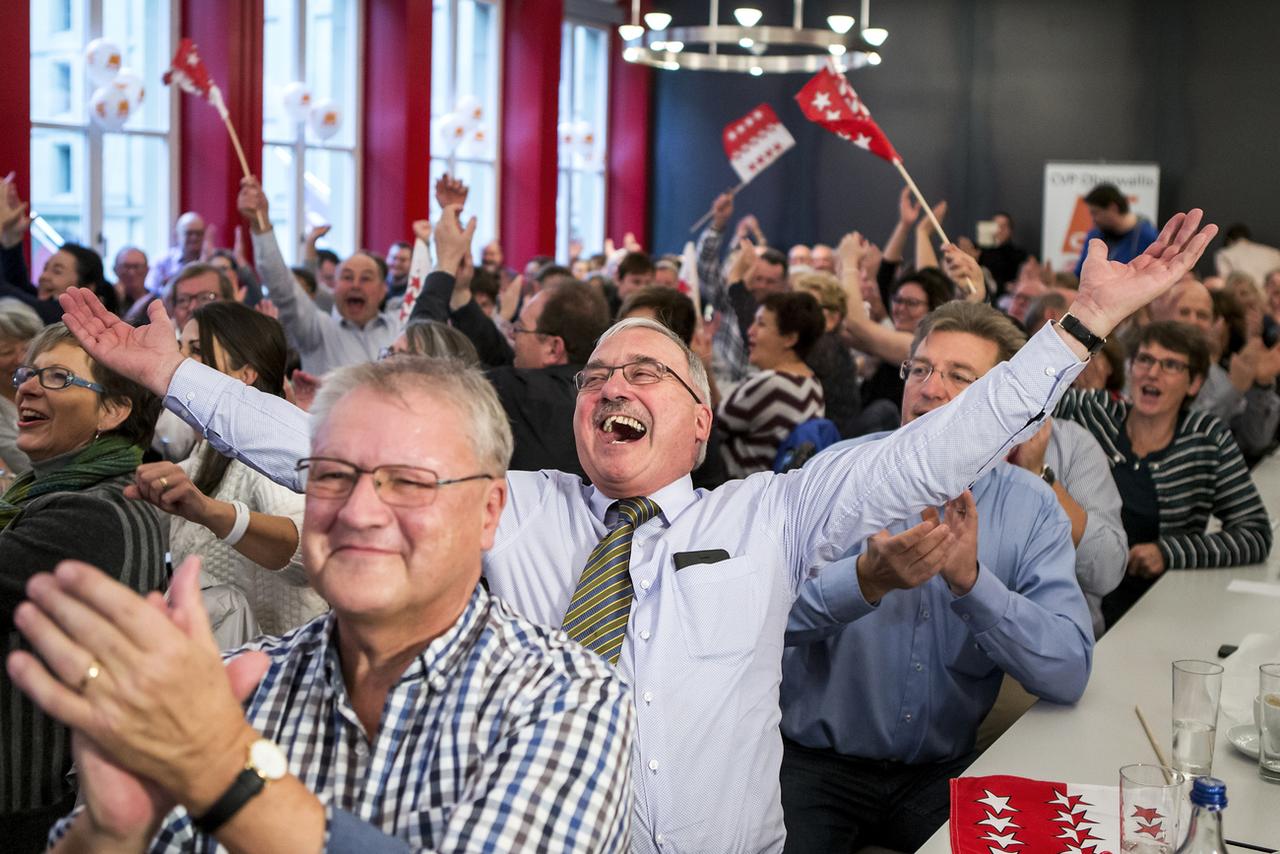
1202, 474
761, 413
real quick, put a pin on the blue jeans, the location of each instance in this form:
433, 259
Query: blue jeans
833, 804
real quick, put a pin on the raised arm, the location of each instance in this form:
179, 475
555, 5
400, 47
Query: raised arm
870, 337
714, 288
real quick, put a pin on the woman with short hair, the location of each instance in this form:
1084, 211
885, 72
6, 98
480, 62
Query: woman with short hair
18, 325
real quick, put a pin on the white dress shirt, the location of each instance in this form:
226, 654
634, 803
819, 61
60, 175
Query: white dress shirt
704, 644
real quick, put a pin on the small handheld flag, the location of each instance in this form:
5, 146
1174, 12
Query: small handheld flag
755, 141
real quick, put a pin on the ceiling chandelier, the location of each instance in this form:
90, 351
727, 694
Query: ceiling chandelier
749, 46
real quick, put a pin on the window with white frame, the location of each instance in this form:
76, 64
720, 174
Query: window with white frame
466, 74
310, 146
584, 115
103, 189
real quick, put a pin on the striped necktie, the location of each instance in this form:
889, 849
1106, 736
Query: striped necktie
601, 602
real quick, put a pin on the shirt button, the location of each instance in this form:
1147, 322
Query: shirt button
653, 765
644, 634
648, 696
644, 584
907, 717
919, 667
190, 396
659, 839
1050, 372
964, 617
438, 683
361, 750
924, 615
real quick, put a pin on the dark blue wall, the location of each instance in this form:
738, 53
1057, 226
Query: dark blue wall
976, 95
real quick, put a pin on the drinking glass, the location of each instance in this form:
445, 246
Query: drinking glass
1268, 711
1150, 806
1197, 691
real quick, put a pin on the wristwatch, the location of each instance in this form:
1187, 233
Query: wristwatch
1047, 474
266, 764
1081, 333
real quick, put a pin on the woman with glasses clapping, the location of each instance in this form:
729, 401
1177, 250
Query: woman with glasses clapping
84, 428
1173, 466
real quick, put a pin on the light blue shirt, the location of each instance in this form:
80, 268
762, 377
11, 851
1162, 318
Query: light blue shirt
911, 678
704, 644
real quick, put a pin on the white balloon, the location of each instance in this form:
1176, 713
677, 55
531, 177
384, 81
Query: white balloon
297, 101
478, 142
566, 140
469, 110
584, 140
325, 118
451, 131
128, 82
110, 107
102, 59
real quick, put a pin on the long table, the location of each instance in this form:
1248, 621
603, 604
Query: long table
1185, 615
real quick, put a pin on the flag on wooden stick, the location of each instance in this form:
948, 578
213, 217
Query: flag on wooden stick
755, 141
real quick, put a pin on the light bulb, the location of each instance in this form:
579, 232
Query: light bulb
746, 42
631, 54
675, 47
759, 48
658, 46
836, 50
756, 71
873, 58
840, 23
630, 32
657, 20
875, 36
747, 16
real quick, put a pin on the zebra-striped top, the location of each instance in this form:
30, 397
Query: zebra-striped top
761, 413
1201, 473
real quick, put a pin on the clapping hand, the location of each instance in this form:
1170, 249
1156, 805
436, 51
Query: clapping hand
14, 220
451, 191
906, 560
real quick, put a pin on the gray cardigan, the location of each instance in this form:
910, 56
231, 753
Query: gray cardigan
98, 525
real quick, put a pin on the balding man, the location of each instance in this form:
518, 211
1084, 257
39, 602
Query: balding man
188, 243
131, 271
1242, 394
687, 592
354, 331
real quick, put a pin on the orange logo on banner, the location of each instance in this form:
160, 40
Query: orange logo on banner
1081, 222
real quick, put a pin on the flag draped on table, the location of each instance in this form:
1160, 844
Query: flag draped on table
828, 100
755, 141
1002, 814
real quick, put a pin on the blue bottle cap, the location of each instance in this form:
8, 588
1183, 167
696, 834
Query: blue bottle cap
1209, 792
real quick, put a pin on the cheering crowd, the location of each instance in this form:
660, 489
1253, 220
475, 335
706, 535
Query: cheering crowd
646, 560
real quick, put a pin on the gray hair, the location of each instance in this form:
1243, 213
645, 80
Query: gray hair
697, 370
457, 383
18, 321
975, 318
440, 340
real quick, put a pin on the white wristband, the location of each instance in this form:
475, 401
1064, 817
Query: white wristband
241, 524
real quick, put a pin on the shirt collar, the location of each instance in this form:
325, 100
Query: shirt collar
672, 499
379, 319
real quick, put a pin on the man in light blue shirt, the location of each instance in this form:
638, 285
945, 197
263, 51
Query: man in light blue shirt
714, 573
881, 705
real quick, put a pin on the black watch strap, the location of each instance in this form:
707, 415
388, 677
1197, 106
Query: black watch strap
247, 784
1081, 333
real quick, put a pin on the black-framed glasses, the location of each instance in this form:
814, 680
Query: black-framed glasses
197, 299
1146, 361
638, 372
520, 330
917, 371
53, 378
910, 303
397, 486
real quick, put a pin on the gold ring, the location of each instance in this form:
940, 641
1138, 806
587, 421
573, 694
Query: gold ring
164, 483
93, 672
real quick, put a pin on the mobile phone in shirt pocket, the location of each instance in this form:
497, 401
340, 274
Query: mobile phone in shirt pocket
721, 606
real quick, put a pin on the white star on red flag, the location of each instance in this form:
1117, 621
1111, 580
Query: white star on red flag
863, 141
999, 824
1005, 840
821, 101
996, 803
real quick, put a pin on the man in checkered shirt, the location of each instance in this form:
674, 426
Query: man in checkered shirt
420, 715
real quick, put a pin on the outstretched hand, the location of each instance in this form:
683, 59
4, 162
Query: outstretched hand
451, 191
1111, 291
14, 220
146, 354
453, 242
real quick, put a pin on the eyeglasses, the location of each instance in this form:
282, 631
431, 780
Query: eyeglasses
909, 302
639, 372
914, 371
53, 378
397, 486
1170, 366
520, 330
388, 352
199, 299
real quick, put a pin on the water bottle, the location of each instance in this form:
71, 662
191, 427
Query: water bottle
1208, 800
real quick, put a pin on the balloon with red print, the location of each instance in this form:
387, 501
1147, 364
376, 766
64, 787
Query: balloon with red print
102, 59
584, 141
128, 82
470, 111
297, 101
451, 131
325, 119
110, 108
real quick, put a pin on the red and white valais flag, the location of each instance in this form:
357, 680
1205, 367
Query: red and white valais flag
1002, 815
754, 141
191, 75
419, 266
828, 100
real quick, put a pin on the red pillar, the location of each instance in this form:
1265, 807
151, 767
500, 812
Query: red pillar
229, 36
530, 107
15, 96
630, 102
397, 119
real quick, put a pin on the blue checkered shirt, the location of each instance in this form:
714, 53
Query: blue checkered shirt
500, 736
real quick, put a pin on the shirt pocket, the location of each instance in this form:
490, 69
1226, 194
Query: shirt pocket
721, 607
